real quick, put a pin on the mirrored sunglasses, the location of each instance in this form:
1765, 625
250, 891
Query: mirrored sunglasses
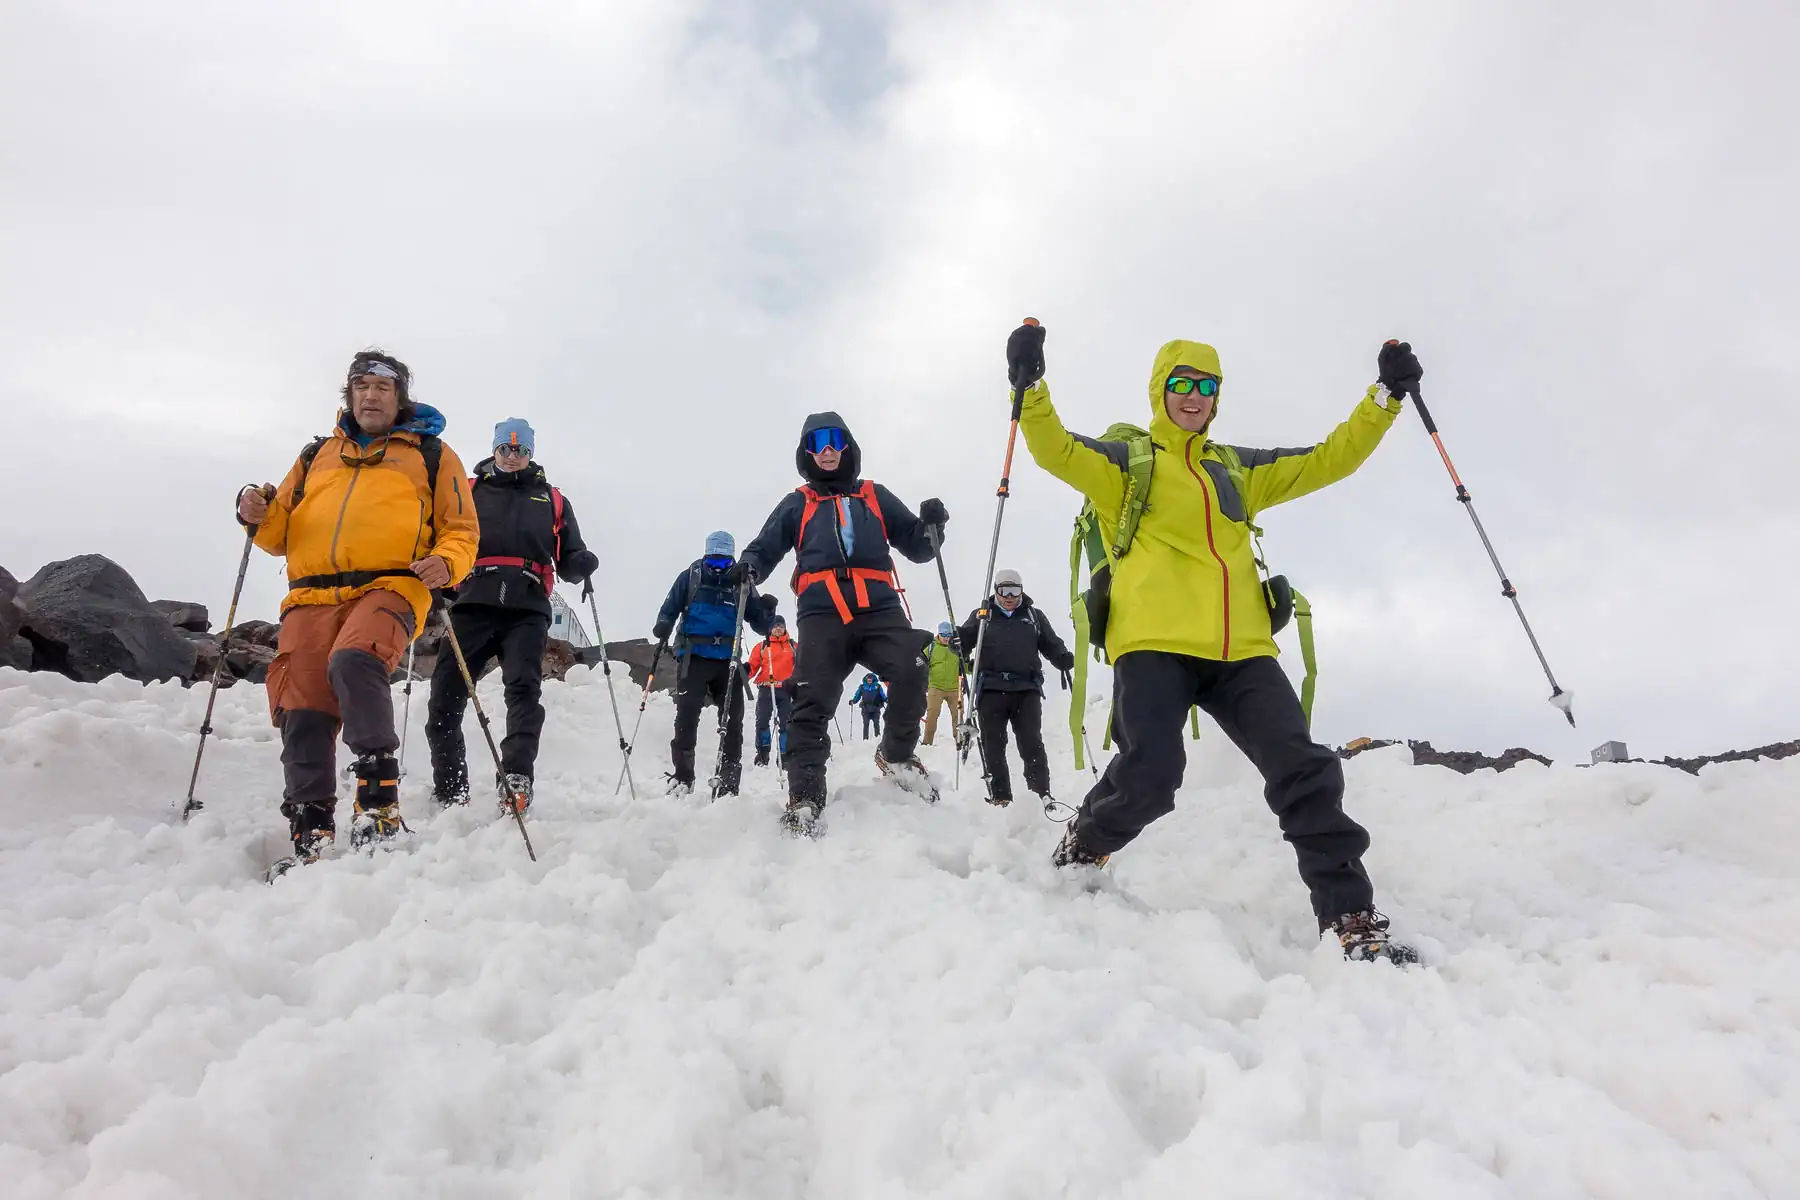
1181, 385
1009, 592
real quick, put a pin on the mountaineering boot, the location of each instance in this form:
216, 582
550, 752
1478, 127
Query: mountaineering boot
910, 774
731, 773
679, 786
377, 816
311, 827
450, 786
999, 801
801, 819
762, 757
514, 791
1070, 853
1364, 937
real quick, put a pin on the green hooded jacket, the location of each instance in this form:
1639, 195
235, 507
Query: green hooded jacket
1189, 584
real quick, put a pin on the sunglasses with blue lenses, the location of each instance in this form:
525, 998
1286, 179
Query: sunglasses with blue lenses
830, 438
1181, 385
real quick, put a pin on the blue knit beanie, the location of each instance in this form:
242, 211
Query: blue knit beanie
945, 629
720, 544
515, 431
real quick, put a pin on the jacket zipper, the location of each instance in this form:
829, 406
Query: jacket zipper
1206, 495
337, 531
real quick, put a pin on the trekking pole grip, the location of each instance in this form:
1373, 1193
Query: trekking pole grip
1418, 400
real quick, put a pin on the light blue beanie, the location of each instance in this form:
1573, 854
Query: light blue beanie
515, 431
945, 629
720, 544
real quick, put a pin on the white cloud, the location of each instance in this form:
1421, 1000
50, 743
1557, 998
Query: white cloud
667, 232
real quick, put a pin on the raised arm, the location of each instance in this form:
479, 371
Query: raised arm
1277, 476
1095, 469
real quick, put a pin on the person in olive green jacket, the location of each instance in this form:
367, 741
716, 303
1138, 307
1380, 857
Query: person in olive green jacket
1189, 623
945, 685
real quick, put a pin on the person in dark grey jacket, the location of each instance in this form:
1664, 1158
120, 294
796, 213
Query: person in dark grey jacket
1009, 683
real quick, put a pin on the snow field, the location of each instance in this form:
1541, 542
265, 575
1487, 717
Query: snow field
677, 1001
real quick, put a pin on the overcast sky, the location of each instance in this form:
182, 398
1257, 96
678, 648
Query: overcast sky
666, 231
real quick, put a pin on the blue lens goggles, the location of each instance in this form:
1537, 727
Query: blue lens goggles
1181, 385
829, 438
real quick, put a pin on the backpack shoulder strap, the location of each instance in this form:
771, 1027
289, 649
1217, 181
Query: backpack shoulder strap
307, 455
431, 449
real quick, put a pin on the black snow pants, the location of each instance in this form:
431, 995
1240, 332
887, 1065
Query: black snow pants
883, 642
517, 638
1024, 711
708, 681
871, 715
1254, 703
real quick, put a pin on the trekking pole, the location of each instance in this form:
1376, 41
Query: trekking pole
732, 685
1019, 385
462, 664
1558, 697
956, 732
406, 706
840, 729
606, 668
649, 682
192, 806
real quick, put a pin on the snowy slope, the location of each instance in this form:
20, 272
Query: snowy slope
677, 1001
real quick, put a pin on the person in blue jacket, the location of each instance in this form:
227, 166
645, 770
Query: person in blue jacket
705, 602
873, 698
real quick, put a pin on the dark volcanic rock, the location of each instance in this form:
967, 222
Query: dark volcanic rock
184, 615
635, 656
16, 653
87, 619
1773, 750
1468, 761
12, 613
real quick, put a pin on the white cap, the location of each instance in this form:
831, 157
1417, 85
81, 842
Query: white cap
1002, 578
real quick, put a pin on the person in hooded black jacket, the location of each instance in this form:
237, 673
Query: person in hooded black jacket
503, 610
843, 531
1009, 686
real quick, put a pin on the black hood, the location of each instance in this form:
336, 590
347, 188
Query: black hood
487, 469
849, 466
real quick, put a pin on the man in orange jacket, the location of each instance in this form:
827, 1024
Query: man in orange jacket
371, 519
771, 669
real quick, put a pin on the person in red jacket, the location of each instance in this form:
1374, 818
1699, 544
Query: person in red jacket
771, 669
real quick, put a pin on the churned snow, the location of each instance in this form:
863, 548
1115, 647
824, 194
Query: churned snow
677, 1001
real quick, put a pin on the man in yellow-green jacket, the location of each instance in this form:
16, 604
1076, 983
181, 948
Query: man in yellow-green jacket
1189, 623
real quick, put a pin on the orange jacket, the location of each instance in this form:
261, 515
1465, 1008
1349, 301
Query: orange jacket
372, 517
772, 662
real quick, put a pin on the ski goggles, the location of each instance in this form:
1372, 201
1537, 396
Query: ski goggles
1181, 385
1009, 592
818, 441
509, 448
373, 368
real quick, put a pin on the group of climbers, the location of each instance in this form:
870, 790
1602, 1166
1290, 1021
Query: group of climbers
378, 515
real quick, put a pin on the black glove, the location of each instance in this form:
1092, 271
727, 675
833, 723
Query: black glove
1067, 679
663, 630
587, 588
933, 512
740, 573
1398, 369
770, 603
1067, 664
1025, 355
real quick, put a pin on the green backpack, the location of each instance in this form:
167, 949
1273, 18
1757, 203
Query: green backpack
1090, 607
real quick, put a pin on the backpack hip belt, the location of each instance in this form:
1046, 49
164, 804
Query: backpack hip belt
347, 579
544, 573
858, 576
